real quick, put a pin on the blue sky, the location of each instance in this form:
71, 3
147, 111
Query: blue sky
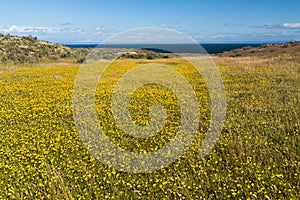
207, 21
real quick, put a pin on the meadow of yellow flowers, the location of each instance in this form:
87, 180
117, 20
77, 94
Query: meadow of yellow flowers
257, 155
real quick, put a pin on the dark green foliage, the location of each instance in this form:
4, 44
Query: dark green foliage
81, 60
137, 54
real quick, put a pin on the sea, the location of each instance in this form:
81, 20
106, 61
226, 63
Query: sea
175, 48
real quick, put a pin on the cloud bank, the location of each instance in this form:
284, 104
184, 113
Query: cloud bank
291, 25
285, 25
66, 33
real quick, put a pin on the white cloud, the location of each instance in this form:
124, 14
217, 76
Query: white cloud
28, 29
164, 25
63, 34
100, 28
285, 25
65, 23
291, 25
75, 31
38, 30
149, 36
233, 25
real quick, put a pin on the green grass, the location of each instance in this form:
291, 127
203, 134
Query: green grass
257, 156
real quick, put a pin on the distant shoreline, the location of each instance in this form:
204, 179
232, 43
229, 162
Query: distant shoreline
178, 48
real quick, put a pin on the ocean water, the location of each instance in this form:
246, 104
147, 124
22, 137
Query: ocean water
175, 48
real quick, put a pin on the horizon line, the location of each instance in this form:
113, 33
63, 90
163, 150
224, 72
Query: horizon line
217, 42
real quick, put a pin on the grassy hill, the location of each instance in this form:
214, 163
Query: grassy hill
28, 49
266, 50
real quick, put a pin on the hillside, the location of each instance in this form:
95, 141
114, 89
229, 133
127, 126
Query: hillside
28, 49
266, 50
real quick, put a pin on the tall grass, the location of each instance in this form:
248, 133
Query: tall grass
257, 156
